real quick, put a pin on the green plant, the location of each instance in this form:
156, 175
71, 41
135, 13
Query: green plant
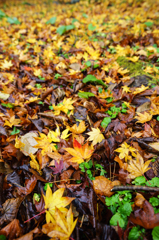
101, 169
93, 79
155, 233
41, 78
57, 75
85, 94
85, 167
136, 233
105, 122
120, 205
46, 185
62, 29
51, 20
36, 197
15, 131
38, 85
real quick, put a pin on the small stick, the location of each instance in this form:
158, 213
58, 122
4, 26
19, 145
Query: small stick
135, 188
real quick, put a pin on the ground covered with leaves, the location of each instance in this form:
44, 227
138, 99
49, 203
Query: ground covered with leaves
79, 120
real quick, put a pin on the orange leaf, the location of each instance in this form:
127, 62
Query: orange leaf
79, 152
103, 186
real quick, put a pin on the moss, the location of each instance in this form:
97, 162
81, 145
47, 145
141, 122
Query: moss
135, 69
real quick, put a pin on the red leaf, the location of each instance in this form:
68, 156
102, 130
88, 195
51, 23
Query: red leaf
76, 144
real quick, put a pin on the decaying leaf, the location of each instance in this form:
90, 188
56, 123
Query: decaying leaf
103, 186
10, 209
27, 143
145, 217
12, 230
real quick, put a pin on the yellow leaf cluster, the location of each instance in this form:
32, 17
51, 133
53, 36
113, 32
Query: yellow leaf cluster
62, 227
64, 106
124, 151
55, 200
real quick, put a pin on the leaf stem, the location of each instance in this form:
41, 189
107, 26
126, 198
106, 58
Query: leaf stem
35, 216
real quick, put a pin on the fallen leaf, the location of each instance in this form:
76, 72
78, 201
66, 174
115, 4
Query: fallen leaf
62, 227
103, 186
143, 117
137, 167
145, 217
78, 129
139, 200
80, 152
12, 230
30, 235
29, 142
10, 209
140, 89
53, 200
96, 136
155, 145
124, 151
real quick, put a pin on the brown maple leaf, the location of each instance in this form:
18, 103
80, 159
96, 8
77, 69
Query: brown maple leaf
145, 217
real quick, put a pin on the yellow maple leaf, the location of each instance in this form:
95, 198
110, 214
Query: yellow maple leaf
32, 99
53, 200
95, 135
123, 71
63, 226
105, 94
78, 129
37, 72
79, 152
143, 117
124, 151
6, 64
44, 142
65, 134
126, 89
34, 164
137, 167
18, 143
12, 121
64, 106
133, 59
140, 89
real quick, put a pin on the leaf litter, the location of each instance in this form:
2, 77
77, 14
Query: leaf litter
79, 119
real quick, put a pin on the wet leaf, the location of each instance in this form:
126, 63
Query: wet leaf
63, 225
53, 200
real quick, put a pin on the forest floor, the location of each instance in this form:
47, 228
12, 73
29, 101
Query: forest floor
79, 120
